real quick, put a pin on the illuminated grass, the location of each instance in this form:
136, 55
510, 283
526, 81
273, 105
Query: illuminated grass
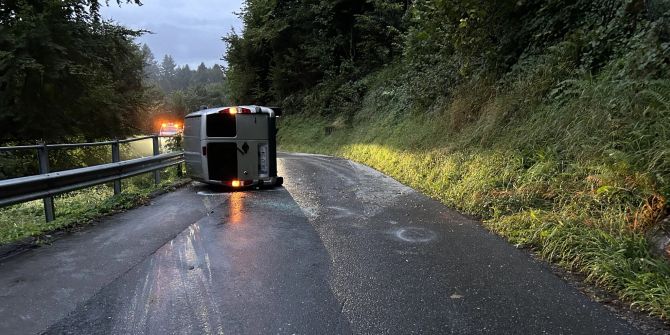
581, 232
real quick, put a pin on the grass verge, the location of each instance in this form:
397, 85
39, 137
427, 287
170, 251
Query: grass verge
26, 220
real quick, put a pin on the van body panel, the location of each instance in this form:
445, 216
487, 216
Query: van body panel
248, 168
252, 127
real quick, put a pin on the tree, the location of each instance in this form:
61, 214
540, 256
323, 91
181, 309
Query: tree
180, 90
183, 77
168, 71
151, 69
215, 74
201, 76
288, 47
66, 73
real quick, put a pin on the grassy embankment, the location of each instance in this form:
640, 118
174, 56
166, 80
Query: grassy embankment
577, 169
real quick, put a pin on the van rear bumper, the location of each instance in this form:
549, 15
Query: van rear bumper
271, 181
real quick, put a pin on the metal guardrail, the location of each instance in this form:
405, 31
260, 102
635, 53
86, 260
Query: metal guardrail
46, 185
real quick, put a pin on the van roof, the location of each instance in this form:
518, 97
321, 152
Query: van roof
254, 108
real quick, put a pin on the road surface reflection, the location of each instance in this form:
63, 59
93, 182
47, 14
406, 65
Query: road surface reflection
236, 207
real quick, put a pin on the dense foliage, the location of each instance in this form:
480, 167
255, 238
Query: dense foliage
289, 47
64, 72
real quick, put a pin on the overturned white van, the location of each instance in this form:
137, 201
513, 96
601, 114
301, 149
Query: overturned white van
232, 146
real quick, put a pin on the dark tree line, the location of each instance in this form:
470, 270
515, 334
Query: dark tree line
66, 72
170, 77
288, 46
179, 90
302, 52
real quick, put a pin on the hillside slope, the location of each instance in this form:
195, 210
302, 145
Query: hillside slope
555, 182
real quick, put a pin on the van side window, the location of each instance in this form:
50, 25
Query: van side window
221, 125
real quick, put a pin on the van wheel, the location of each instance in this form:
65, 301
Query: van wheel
280, 181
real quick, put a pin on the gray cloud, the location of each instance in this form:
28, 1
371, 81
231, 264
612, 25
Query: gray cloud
189, 30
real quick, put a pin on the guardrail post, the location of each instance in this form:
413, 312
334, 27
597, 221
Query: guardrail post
116, 157
43, 157
180, 173
157, 173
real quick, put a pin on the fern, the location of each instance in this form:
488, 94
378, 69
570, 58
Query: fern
659, 93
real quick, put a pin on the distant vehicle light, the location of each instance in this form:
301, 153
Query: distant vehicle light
236, 183
170, 129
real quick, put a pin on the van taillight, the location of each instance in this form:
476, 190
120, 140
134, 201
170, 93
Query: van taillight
204, 151
238, 183
235, 110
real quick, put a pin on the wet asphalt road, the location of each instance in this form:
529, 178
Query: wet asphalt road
341, 249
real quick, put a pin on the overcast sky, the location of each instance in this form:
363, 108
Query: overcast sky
189, 30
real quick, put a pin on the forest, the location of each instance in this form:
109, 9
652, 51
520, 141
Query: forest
289, 47
175, 91
67, 74
547, 119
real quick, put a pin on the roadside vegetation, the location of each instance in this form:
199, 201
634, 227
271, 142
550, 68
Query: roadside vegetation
79, 208
550, 120
67, 75
65, 72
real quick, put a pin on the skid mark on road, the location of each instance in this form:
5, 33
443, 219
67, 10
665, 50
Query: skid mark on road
414, 235
178, 277
341, 212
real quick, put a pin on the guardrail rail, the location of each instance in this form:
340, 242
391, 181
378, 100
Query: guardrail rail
47, 184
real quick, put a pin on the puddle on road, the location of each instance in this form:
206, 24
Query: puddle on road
414, 235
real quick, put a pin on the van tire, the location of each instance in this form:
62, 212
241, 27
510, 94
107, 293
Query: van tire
280, 181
